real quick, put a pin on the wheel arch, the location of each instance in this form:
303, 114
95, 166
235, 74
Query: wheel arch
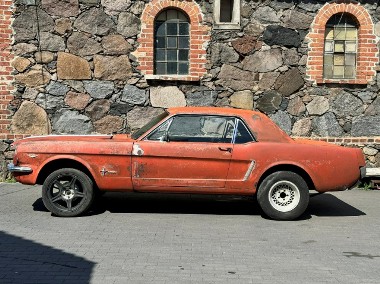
290, 168
61, 163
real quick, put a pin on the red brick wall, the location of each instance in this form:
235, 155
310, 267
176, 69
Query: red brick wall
367, 56
356, 141
6, 57
199, 37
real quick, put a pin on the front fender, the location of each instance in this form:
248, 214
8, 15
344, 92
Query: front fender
36, 167
68, 157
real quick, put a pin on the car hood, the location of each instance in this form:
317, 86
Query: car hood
76, 144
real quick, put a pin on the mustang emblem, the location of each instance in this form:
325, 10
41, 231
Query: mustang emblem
104, 172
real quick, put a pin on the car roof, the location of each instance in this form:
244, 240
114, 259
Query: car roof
212, 110
263, 128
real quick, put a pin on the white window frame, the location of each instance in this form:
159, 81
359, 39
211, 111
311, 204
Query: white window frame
235, 22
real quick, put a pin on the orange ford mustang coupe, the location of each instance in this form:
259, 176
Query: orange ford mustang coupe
188, 150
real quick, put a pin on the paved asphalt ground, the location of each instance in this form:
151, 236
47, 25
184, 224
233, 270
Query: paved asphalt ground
189, 239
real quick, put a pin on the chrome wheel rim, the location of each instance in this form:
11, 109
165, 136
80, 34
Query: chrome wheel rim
284, 196
66, 192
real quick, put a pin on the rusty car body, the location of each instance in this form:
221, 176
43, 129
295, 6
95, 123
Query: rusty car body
188, 150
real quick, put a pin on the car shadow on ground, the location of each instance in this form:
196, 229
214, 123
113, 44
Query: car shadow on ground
328, 205
324, 205
26, 261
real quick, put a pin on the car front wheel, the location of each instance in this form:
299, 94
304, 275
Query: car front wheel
67, 192
283, 195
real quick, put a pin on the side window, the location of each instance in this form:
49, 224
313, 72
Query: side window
227, 14
159, 134
171, 49
242, 134
341, 39
191, 128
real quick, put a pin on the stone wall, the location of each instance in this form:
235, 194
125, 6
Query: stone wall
77, 70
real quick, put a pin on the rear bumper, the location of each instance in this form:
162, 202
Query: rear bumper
369, 172
16, 169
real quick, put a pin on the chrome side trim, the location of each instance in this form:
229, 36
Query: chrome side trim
15, 169
108, 136
249, 171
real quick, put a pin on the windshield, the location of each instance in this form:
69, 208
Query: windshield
149, 125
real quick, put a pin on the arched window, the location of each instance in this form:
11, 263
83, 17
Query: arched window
340, 51
171, 43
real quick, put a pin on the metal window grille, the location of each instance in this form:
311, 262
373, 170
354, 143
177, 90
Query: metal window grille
171, 43
340, 50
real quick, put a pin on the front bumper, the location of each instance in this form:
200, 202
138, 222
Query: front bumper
16, 169
369, 172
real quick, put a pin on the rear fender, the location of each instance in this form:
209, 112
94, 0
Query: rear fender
288, 166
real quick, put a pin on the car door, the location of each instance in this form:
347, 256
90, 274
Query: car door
243, 160
186, 152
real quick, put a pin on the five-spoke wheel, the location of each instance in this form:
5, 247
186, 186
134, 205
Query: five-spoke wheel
67, 192
283, 195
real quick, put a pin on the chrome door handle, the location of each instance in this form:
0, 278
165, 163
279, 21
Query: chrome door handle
228, 149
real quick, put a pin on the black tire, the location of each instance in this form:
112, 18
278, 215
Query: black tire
68, 192
283, 195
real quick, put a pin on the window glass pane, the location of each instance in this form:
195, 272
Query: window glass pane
350, 59
226, 7
183, 54
182, 17
329, 33
350, 46
185, 126
183, 28
172, 68
160, 68
339, 33
160, 29
183, 42
172, 55
183, 68
171, 14
338, 71
172, 42
328, 71
242, 134
160, 132
213, 126
339, 59
351, 34
349, 72
328, 59
160, 42
329, 46
339, 46
161, 16
172, 28
160, 55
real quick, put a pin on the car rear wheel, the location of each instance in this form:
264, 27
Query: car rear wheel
67, 192
283, 195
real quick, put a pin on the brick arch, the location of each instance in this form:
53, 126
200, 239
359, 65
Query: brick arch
367, 55
199, 38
